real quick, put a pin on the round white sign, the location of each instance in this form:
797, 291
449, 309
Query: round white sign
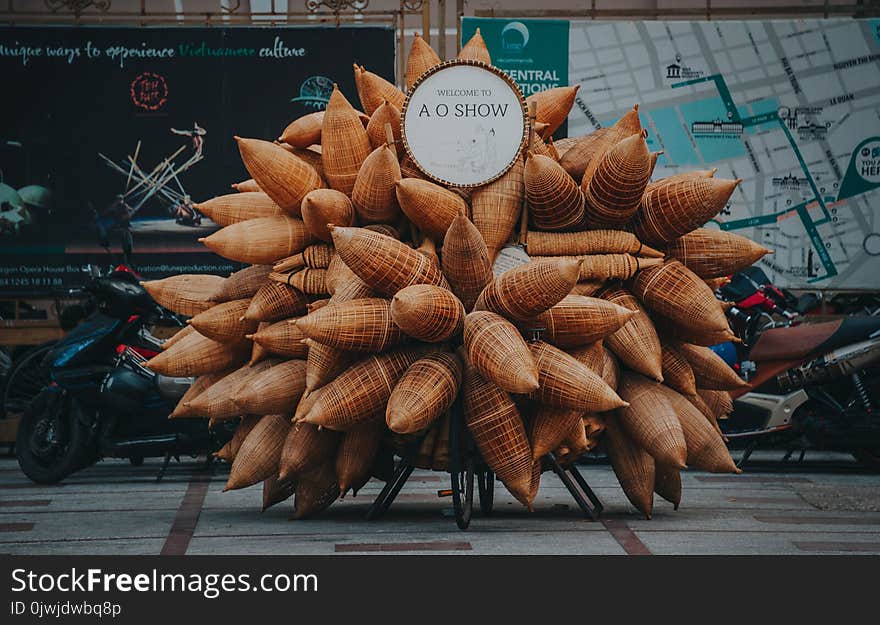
464, 123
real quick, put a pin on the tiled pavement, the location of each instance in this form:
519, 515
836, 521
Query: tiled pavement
114, 508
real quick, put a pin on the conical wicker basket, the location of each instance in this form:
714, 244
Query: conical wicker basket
374, 194
677, 372
275, 390
588, 288
420, 59
386, 114
549, 426
177, 336
324, 363
186, 294
423, 393
465, 261
201, 384
636, 343
216, 402
650, 419
712, 253
524, 292
591, 355
384, 264
566, 383
198, 355
305, 448
225, 210
605, 267
588, 151
633, 467
672, 210
578, 320
260, 241
667, 483
312, 156
496, 349
375, 91
225, 322
475, 49
615, 187
685, 175
706, 411
429, 206
710, 370
316, 490
555, 201
281, 338
358, 395
303, 131
344, 143
496, 207
309, 281
428, 313
553, 106
499, 433
282, 176
719, 402
246, 185
697, 336
258, 457
361, 325
589, 242
594, 425
355, 456
275, 301
230, 449
274, 492
242, 284
326, 206
317, 256
610, 368
258, 352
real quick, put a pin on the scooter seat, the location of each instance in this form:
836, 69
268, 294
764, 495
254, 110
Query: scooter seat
803, 341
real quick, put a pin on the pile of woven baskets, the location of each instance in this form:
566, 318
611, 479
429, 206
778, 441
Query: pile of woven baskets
368, 304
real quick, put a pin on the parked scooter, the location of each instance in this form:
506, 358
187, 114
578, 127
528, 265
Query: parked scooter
102, 401
814, 386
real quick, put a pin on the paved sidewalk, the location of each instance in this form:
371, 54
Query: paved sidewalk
114, 508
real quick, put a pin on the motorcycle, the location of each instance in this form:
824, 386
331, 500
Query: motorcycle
101, 401
813, 385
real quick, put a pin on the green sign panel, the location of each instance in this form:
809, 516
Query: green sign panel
533, 52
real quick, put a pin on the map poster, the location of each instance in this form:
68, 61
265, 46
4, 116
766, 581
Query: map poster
108, 135
534, 53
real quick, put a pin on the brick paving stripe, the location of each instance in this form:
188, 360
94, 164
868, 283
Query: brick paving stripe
186, 519
625, 537
16, 527
836, 546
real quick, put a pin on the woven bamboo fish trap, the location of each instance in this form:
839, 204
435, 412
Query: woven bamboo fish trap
610, 368
225, 322
274, 492
706, 450
180, 334
275, 301
540, 148
672, 210
498, 431
465, 261
710, 370
589, 242
475, 49
374, 194
344, 143
575, 444
711, 253
312, 156
633, 466
318, 304
282, 176
358, 394
317, 256
387, 113
258, 352
242, 284
424, 392
591, 355
704, 409
361, 325
420, 59
216, 402
375, 90
303, 131
555, 201
198, 355
594, 425
567, 383
384, 264
260, 241
326, 206
670, 328
309, 281
324, 363
673, 291
281, 338
186, 294
429, 206
677, 372
526, 291
355, 456
578, 320
409, 169
230, 449
305, 448
650, 419
225, 210
553, 106
316, 490
588, 288
201, 384
351, 289
636, 343
549, 426
685, 175
719, 402
496, 349
338, 274
275, 390
667, 483
428, 249
257, 459
564, 145
496, 207
428, 313
615, 187
246, 185
588, 151
605, 267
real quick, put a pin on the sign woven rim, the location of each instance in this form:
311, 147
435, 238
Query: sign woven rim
510, 82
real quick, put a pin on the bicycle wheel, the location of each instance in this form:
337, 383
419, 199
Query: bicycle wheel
26, 379
486, 484
461, 468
